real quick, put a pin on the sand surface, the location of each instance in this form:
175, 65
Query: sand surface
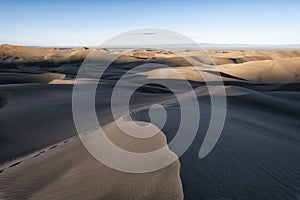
256, 157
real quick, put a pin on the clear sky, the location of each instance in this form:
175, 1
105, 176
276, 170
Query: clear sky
90, 22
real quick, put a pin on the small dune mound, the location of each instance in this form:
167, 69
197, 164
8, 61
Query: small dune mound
16, 78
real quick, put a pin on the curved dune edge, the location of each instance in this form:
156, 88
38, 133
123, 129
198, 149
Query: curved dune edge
134, 143
78, 175
19, 78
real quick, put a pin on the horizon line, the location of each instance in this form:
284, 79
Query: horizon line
201, 44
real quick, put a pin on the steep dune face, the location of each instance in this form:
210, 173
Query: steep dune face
256, 157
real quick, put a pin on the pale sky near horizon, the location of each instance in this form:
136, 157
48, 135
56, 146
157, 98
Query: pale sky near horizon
91, 22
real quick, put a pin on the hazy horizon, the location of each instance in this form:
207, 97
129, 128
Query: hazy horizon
207, 45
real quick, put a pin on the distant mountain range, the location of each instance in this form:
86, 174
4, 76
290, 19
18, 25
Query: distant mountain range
203, 45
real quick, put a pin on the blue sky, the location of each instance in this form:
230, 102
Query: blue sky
85, 23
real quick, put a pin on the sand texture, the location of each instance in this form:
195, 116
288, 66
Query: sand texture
256, 157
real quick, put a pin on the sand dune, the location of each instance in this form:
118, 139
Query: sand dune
21, 55
40, 60
256, 157
270, 71
68, 171
241, 56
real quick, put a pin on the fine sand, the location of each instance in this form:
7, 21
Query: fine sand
256, 157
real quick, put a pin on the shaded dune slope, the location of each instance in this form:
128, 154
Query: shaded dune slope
15, 78
4, 96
